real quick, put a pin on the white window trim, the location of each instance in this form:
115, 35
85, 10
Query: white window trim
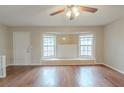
42, 49
93, 50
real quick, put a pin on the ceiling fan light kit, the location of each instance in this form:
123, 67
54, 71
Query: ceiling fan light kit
73, 11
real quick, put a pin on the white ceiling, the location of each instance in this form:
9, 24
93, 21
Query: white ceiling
39, 16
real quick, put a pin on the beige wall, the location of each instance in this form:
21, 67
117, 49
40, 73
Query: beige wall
67, 46
36, 33
114, 45
109, 42
5, 43
69, 39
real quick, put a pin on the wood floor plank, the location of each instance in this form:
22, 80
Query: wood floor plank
62, 76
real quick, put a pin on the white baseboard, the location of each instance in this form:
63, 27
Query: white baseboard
57, 63
114, 68
9, 65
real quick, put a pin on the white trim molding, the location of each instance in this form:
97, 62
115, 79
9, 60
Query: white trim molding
114, 68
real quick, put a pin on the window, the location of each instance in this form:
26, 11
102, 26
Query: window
86, 45
49, 45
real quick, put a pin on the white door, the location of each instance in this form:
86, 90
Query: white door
22, 48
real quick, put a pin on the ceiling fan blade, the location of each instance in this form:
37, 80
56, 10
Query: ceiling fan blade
57, 12
88, 9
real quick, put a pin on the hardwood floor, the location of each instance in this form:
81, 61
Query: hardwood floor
62, 76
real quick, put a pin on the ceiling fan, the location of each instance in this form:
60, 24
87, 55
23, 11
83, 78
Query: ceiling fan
73, 11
